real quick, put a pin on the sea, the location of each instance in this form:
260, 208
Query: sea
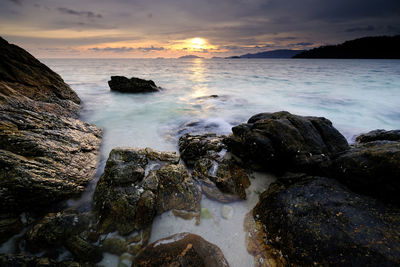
212, 95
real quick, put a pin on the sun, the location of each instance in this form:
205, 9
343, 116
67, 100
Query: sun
197, 43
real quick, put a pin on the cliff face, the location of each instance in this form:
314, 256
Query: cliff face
46, 153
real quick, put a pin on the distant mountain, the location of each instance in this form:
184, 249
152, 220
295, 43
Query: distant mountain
281, 53
368, 47
190, 56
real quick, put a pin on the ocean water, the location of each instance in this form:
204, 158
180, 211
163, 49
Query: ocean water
356, 95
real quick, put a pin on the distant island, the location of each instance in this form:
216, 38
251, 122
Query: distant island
379, 47
281, 53
190, 56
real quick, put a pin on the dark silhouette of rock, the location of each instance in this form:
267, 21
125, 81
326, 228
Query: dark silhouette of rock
132, 85
280, 53
367, 47
183, 249
46, 154
282, 142
317, 221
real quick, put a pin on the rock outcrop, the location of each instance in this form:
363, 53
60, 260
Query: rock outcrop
138, 184
221, 178
281, 142
183, 249
132, 85
317, 221
46, 154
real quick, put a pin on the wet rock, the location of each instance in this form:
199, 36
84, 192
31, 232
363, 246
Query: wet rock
46, 154
125, 260
371, 168
83, 250
182, 249
379, 135
132, 85
10, 224
114, 246
127, 200
20, 260
317, 221
282, 141
55, 229
222, 179
205, 214
194, 147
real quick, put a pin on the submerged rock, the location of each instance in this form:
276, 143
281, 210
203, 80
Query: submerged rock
317, 221
182, 249
222, 179
281, 141
132, 85
46, 154
10, 224
130, 193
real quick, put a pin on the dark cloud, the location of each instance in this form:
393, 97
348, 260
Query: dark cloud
368, 28
149, 49
88, 14
122, 49
304, 44
17, 2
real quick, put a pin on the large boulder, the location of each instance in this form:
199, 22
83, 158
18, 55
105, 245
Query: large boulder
221, 178
376, 135
183, 249
138, 184
316, 221
282, 141
132, 85
46, 155
371, 168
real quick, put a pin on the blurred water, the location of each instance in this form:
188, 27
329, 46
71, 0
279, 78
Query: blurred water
356, 95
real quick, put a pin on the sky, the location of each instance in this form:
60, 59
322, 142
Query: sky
173, 28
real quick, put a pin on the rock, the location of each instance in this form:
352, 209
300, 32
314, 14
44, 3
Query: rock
227, 212
182, 249
205, 214
17, 260
371, 168
115, 246
222, 179
281, 142
132, 85
83, 250
130, 194
125, 260
10, 224
46, 154
55, 228
379, 135
317, 221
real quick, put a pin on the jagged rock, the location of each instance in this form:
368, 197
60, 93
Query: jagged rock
46, 155
222, 179
83, 250
182, 249
132, 85
281, 141
379, 135
10, 224
317, 221
138, 184
371, 168
20, 260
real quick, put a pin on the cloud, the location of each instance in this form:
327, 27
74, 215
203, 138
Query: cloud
122, 49
88, 14
151, 48
17, 2
368, 28
304, 44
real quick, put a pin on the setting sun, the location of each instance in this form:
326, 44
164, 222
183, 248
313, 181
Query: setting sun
198, 43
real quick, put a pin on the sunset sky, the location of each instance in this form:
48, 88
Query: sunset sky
172, 28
